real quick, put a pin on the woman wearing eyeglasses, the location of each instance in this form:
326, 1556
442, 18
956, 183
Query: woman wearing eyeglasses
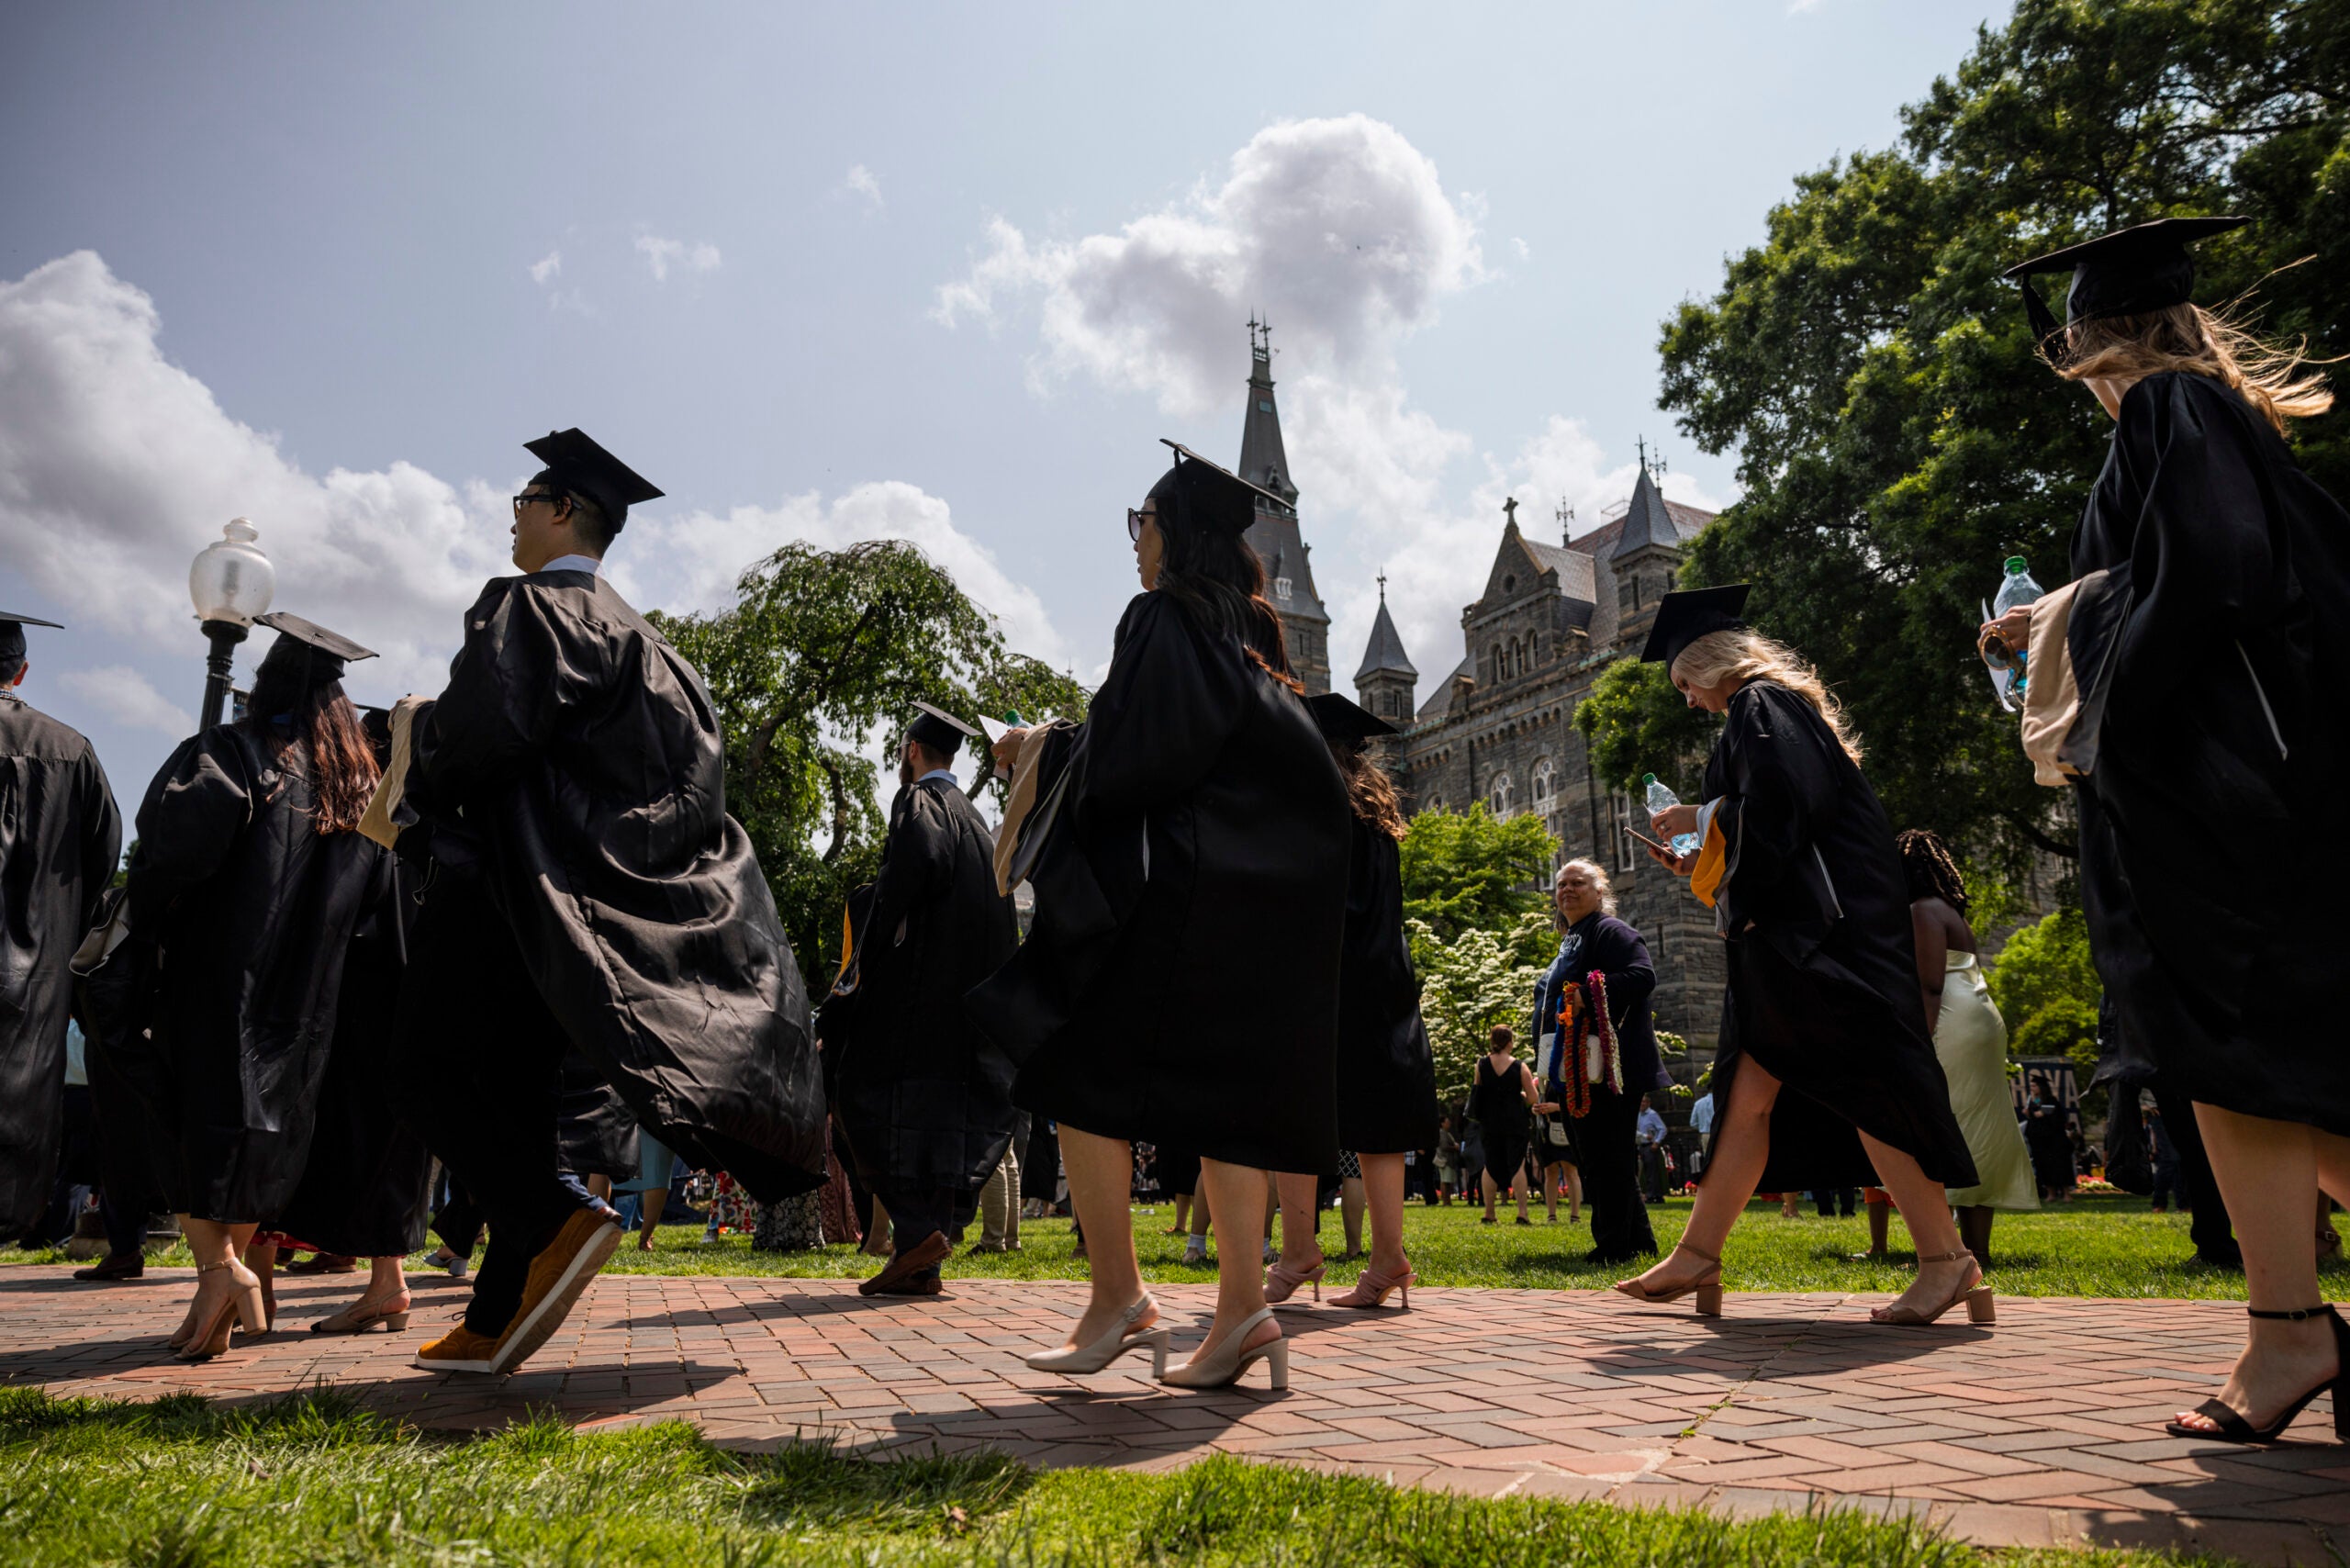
1179, 985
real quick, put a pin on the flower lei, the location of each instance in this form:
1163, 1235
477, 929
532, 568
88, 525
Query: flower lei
1582, 1011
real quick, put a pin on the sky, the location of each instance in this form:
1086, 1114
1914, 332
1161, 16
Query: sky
941, 272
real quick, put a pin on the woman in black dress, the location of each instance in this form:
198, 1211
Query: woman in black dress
1502, 1102
1181, 982
1386, 1076
2207, 628
249, 878
1826, 1070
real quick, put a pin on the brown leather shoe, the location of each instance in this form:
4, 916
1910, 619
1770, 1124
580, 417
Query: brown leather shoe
896, 1276
113, 1267
459, 1351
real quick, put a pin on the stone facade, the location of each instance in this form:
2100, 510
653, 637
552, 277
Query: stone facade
1500, 727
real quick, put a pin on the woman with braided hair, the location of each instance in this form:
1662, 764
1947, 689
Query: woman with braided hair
1970, 1038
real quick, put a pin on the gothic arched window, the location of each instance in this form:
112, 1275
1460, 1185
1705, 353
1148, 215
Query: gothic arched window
1545, 787
1500, 793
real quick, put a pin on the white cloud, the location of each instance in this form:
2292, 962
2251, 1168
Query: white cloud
703, 552
862, 182
1796, 7
124, 696
116, 466
1520, 249
547, 266
662, 254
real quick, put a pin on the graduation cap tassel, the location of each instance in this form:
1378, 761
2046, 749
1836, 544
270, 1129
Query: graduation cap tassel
2044, 324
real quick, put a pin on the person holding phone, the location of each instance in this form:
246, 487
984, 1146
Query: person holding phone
1826, 1073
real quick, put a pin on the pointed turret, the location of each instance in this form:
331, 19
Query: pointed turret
1288, 560
1646, 554
1384, 683
1646, 520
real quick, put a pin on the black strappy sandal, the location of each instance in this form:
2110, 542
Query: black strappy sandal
2234, 1429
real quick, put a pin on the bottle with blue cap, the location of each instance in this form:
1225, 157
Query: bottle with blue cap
2016, 588
1662, 798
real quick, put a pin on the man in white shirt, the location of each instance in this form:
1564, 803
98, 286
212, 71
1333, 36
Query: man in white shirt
1648, 1132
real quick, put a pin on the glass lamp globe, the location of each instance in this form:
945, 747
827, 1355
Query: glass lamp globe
231, 579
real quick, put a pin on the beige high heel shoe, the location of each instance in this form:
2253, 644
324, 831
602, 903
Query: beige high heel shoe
1973, 1293
1222, 1366
243, 1305
1281, 1282
1123, 1336
1707, 1287
1371, 1289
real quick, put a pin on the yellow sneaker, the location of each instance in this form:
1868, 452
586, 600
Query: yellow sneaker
459, 1351
558, 1274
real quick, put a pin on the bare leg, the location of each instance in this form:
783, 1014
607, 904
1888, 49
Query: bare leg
1519, 1185
1550, 1185
261, 1257
215, 1244
1925, 1209
1573, 1182
1182, 1215
600, 1187
2268, 1174
1742, 1148
1301, 1248
1383, 1189
1880, 1223
1485, 1181
877, 1232
1100, 1176
1351, 1205
1240, 1285
652, 1202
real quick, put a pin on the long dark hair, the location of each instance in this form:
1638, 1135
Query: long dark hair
1213, 574
298, 700
1369, 789
1930, 868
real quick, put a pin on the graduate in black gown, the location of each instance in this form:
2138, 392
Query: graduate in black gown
365, 1189
1180, 984
2209, 636
924, 1097
59, 836
1386, 1076
247, 878
1826, 1070
565, 802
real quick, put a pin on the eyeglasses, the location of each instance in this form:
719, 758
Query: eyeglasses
1135, 519
527, 497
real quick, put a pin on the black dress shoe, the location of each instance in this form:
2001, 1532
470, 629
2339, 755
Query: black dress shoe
114, 1268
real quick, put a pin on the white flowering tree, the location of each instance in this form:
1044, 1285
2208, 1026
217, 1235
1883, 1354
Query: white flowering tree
1469, 984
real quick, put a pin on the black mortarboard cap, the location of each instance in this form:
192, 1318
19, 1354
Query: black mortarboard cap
573, 462
2127, 272
1344, 719
1682, 618
12, 634
1206, 496
328, 651
940, 731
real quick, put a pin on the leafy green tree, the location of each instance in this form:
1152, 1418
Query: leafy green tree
1472, 871
1637, 724
1896, 436
813, 671
1480, 977
2047, 987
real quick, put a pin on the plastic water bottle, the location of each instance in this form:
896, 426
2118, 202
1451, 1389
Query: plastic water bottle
1661, 798
2019, 588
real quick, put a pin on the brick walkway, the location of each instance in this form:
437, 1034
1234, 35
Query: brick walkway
2045, 1430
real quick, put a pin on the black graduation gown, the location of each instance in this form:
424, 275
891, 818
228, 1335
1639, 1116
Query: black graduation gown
924, 1097
1386, 1076
2212, 658
1823, 973
587, 762
250, 911
59, 836
1180, 982
365, 1189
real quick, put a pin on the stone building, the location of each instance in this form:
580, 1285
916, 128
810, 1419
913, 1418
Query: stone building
1499, 727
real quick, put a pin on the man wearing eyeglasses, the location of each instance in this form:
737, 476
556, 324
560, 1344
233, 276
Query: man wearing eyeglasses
587, 897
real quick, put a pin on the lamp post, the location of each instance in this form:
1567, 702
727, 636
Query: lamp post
232, 582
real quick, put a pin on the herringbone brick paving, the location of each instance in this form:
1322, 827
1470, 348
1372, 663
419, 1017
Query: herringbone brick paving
2047, 1429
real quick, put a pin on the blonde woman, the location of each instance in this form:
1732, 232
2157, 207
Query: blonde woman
2206, 633
1826, 1070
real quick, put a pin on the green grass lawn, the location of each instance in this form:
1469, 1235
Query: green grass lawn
312, 1480
2094, 1246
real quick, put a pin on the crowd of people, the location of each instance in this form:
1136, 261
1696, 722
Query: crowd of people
486, 960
